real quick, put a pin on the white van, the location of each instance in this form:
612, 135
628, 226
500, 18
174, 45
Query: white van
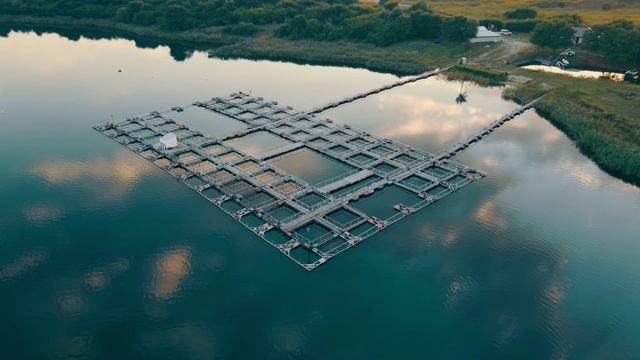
505, 32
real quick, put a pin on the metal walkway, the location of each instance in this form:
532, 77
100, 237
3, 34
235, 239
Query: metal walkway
278, 206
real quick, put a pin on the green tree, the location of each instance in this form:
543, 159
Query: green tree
425, 25
391, 31
459, 28
519, 14
618, 41
126, 13
175, 18
554, 35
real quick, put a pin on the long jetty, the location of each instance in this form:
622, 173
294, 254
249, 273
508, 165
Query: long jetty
277, 206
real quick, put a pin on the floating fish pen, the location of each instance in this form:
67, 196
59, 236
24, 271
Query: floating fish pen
309, 224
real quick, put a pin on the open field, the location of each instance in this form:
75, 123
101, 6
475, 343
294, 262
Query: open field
593, 12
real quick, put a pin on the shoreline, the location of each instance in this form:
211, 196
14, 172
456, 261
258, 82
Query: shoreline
625, 165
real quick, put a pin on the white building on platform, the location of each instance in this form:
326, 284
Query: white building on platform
168, 141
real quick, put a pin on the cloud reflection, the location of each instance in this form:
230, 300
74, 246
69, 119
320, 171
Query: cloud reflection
100, 277
169, 270
119, 173
63, 58
486, 214
288, 339
71, 303
97, 280
119, 169
420, 116
22, 264
191, 340
42, 214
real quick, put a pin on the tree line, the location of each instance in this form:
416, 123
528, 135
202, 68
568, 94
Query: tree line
380, 24
618, 41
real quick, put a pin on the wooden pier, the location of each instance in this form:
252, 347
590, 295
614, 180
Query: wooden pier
279, 201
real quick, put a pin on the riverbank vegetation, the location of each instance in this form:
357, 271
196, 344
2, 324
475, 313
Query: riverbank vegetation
378, 24
600, 115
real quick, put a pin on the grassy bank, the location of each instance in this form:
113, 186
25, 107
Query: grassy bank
596, 114
524, 92
480, 76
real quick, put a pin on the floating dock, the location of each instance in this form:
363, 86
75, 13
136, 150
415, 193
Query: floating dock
277, 206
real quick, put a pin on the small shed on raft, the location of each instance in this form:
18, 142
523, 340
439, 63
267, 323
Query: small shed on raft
168, 141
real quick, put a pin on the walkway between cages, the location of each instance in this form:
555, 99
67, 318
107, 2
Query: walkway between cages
265, 198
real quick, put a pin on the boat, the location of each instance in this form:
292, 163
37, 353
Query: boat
373, 220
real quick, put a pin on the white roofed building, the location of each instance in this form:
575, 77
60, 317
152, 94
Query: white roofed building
168, 141
485, 35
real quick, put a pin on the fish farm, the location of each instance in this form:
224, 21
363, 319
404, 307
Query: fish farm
310, 224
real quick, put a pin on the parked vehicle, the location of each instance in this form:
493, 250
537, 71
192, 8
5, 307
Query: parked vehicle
632, 75
505, 32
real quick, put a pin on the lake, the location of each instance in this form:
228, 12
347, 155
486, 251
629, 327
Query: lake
103, 255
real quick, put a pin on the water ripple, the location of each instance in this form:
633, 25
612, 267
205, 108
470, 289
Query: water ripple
288, 340
71, 304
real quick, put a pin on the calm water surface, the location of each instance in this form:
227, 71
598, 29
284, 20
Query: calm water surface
103, 255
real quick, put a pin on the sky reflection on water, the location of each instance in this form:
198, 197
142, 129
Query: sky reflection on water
104, 255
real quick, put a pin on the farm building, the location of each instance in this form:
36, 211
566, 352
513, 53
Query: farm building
484, 35
578, 33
